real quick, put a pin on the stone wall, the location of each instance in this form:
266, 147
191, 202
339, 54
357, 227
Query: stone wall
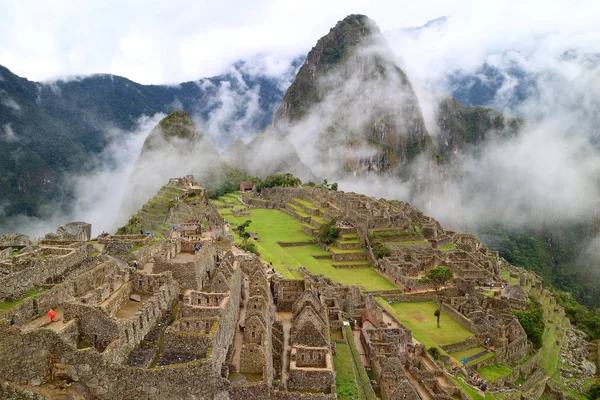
96, 327
196, 345
149, 283
118, 299
39, 305
468, 343
15, 285
316, 379
253, 359
34, 362
461, 319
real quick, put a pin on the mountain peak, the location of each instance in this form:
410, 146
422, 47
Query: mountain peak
176, 127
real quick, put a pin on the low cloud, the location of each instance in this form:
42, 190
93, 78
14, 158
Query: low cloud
8, 134
7, 101
98, 190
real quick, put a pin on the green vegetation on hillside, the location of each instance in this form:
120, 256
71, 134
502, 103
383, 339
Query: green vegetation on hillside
278, 179
532, 321
587, 320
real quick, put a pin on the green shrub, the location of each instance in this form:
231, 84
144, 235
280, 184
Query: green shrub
328, 233
434, 352
380, 250
279, 179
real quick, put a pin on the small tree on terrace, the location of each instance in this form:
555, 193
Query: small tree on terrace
328, 233
242, 232
437, 277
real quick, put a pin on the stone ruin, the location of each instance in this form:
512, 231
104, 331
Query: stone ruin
189, 316
73, 231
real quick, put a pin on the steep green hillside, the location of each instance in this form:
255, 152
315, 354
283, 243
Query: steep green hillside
48, 130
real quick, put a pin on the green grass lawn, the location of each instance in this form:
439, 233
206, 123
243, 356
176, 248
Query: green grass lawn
459, 355
506, 276
345, 383
306, 203
7, 305
494, 372
447, 247
480, 359
275, 226
418, 317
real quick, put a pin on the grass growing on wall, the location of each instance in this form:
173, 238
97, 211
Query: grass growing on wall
7, 305
365, 390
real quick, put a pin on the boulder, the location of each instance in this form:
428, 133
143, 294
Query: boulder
514, 292
77, 231
14, 240
6, 253
135, 297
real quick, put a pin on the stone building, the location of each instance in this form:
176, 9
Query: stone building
311, 364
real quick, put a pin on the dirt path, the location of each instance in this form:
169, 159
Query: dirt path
360, 348
98, 246
286, 319
389, 320
239, 335
148, 268
183, 258
131, 307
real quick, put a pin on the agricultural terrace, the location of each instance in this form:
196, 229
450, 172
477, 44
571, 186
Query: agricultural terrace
274, 226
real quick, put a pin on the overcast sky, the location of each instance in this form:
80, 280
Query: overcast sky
160, 41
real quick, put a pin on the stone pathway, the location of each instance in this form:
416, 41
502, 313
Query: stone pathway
44, 322
286, 319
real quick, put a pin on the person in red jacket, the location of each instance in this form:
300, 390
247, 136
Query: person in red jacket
51, 315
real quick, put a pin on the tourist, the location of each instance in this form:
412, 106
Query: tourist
135, 265
12, 321
196, 248
51, 315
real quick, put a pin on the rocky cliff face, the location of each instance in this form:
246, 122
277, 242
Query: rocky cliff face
354, 104
461, 127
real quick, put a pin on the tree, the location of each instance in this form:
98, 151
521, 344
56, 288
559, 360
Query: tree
334, 186
532, 321
437, 314
380, 250
279, 179
241, 229
328, 233
437, 278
